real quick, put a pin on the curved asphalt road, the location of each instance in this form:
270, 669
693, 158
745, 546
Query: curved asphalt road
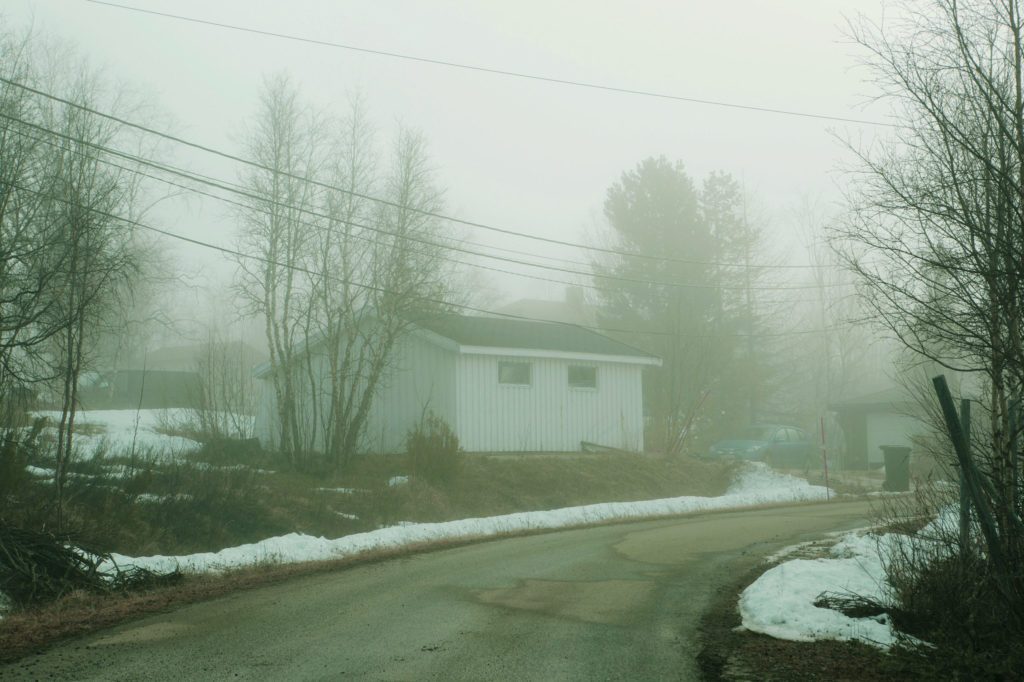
611, 602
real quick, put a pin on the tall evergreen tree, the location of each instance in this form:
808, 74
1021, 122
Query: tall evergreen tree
682, 286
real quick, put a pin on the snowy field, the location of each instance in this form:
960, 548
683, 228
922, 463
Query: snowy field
125, 431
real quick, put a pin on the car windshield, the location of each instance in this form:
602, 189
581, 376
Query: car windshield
758, 432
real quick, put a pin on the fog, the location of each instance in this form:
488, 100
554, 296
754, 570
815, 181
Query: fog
529, 114
521, 154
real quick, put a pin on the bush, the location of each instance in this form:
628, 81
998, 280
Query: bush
944, 592
433, 450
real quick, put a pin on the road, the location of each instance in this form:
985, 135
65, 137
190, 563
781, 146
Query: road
610, 602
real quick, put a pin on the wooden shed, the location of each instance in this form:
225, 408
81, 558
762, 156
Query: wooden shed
503, 385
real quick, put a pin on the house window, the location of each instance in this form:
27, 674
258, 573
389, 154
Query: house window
517, 373
581, 376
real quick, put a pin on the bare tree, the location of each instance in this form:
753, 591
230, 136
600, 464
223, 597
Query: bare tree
287, 143
225, 400
406, 276
91, 204
937, 232
340, 275
29, 259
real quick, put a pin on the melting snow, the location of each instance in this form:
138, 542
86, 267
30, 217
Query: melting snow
781, 602
755, 484
119, 430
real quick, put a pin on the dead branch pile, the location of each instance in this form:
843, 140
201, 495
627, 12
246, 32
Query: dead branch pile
851, 605
36, 566
136, 578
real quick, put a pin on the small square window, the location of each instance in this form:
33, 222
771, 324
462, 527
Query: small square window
581, 376
517, 373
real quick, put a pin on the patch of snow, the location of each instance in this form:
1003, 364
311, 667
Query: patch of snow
803, 547
756, 484
398, 480
206, 466
150, 497
123, 429
347, 516
50, 473
781, 602
346, 491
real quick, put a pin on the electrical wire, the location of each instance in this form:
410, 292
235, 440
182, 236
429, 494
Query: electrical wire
384, 290
222, 185
498, 72
386, 202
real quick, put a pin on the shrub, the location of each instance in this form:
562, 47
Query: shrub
943, 591
433, 450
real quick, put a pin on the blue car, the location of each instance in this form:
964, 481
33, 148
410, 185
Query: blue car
780, 446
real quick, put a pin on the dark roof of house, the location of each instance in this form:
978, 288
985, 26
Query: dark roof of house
501, 332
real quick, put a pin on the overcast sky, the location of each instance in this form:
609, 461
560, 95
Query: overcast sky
520, 154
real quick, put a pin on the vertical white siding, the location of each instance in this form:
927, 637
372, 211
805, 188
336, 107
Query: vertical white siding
547, 415
421, 376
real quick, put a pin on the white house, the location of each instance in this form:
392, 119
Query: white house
869, 421
503, 385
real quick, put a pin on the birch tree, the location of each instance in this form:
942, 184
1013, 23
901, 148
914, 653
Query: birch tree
92, 205
286, 144
349, 251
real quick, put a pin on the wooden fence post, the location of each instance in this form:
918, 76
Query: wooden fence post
974, 485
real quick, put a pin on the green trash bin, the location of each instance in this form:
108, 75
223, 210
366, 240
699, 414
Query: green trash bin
897, 468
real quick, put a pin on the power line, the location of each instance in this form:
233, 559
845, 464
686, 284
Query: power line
470, 264
224, 186
498, 72
431, 214
384, 290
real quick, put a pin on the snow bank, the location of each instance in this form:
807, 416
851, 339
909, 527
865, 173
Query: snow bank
755, 484
781, 602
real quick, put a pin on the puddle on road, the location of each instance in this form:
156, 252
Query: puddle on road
605, 601
145, 633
